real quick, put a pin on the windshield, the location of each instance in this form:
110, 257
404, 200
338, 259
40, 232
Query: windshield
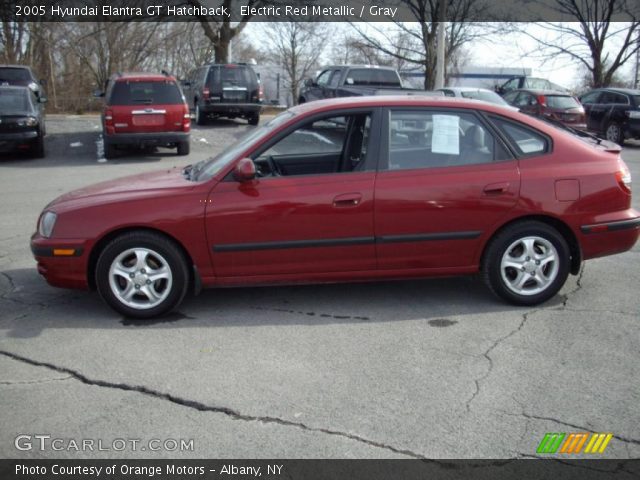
487, 96
14, 102
14, 74
562, 101
212, 166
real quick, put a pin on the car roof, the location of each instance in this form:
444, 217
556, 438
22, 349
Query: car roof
156, 77
397, 101
377, 67
6, 65
628, 91
542, 92
15, 87
466, 89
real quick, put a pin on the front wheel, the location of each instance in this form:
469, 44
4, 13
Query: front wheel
200, 118
527, 263
142, 275
614, 133
254, 119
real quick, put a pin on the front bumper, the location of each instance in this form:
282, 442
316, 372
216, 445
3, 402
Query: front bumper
63, 263
156, 139
11, 141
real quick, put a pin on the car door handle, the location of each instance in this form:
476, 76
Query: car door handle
496, 188
347, 200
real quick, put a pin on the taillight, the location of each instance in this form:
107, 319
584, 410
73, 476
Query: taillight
108, 118
186, 119
206, 93
542, 100
260, 93
623, 177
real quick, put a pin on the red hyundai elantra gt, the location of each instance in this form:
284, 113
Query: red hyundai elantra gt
351, 190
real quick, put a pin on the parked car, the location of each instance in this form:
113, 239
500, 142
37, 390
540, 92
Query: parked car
613, 112
21, 75
551, 104
347, 190
22, 126
475, 93
144, 110
352, 81
224, 90
531, 83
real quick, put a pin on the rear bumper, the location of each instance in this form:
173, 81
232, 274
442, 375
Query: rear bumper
154, 138
231, 108
607, 238
63, 263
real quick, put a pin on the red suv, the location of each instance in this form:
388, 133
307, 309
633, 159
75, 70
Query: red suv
145, 110
351, 189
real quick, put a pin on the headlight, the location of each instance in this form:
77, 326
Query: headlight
47, 222
28, 122
33, 86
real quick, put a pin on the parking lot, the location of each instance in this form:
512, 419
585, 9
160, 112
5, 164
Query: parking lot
409, 369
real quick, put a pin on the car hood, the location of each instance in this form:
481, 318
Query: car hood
135, 186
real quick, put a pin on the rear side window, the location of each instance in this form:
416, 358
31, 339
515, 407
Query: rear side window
562, 101
612, 97
589, 98
146, 93
525, 140
372, 76
428, 139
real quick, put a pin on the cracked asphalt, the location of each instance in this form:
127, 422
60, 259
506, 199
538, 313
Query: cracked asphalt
429, 369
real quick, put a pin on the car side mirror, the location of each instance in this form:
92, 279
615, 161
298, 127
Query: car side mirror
98, 93
245, 170
185, 83
309, 82
42, 100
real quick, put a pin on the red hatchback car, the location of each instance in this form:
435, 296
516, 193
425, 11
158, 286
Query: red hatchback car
347, 190
145, 110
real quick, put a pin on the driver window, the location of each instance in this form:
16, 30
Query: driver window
328, 145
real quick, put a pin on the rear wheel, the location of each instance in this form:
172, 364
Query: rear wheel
200, 118
183, 148
614, 133
109, 150
254, 119
142, 275
527, 263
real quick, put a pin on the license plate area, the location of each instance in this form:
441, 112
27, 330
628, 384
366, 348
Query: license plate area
148, 120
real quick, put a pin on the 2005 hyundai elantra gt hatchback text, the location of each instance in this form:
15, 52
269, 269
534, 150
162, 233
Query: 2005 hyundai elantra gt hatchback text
351, 190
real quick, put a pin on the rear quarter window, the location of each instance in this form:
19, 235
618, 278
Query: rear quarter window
523, 139
146, 93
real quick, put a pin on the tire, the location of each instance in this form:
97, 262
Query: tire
200, 119
301, 100
527, 263
183, 148
254, 119
38, 147
109, 150
614, 133
125, 270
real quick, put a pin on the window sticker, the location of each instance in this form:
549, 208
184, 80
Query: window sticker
446, 134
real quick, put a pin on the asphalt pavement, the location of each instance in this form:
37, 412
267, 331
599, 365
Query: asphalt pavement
409, 369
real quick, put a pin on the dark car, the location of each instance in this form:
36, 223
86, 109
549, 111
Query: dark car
145, 110
224, 90
613, 112
22, 125
23, 76
351, 189
552, 104
528, 83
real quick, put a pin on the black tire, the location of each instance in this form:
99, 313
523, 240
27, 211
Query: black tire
510, 241
614, 133
109, 150
157, 251
301, 100
38, 147
254, 119
200, 118
183, 148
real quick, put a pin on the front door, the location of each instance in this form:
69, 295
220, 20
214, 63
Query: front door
310, 210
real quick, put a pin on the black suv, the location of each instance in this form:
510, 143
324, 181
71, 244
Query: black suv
21, 75
613, 112
224, 90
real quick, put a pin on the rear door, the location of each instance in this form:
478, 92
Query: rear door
445, 180
590, 102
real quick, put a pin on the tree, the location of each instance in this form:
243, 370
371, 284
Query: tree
296, 47
594, 41
415, 42
219, 29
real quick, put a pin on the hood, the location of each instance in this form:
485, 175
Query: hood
135, 186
